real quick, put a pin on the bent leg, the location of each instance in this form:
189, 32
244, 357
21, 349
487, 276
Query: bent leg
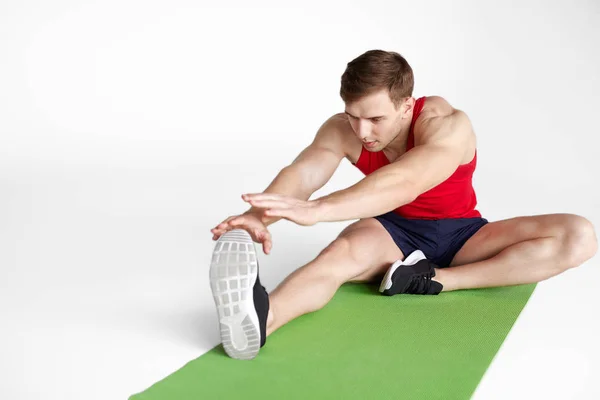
361, 252
520, 250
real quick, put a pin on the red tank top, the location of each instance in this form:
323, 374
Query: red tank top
453, 198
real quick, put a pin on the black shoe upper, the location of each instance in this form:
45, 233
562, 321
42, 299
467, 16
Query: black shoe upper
261, 304
414, 279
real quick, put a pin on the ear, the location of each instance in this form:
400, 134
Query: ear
407, 106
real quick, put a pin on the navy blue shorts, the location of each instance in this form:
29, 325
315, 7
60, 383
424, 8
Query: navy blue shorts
439, 240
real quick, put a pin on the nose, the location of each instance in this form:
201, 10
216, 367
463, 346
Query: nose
363, 129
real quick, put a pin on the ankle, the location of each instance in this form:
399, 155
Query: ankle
270, 320
441, 276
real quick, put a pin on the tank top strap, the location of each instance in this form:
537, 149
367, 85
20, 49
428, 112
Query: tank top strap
416, 111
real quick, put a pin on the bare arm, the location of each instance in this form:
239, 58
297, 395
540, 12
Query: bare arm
311, 169
445, 134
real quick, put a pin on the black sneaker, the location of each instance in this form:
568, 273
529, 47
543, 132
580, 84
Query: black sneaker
242, 302
411, 276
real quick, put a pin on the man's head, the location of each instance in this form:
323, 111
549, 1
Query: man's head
377, 89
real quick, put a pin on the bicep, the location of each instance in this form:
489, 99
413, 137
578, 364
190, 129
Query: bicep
428, 165
444, 142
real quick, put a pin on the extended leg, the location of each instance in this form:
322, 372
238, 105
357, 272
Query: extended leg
519, 251
362, 251
248, 314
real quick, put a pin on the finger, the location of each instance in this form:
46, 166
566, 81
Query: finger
263, 196
269, 203
219, 229
226, 221
260, 234
223, 229
220, 232
231, 227
263, 235
267, 241
267, 245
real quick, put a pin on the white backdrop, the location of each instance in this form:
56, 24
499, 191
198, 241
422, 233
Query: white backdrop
130, 128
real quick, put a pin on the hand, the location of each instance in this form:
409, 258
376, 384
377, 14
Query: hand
251, 223
302, 212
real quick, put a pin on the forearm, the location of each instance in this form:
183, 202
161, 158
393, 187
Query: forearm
288, 182
372, 196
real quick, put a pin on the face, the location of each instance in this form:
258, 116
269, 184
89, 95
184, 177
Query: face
375, 120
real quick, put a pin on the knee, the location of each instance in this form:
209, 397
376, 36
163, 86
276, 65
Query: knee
579, 240
337, 261
339, 246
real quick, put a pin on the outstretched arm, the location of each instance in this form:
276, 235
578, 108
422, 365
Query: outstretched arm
444, 135
309, 171
399, 183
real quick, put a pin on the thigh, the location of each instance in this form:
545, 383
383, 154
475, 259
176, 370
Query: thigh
494, 237
368, 251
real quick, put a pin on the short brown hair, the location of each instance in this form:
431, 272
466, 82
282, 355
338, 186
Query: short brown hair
376, 70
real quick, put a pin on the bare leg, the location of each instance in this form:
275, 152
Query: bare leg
348, 258
519, 251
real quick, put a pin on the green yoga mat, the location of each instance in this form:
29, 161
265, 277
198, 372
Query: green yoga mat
363, 345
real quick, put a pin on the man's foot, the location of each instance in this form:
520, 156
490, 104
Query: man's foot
242, 302
412, 276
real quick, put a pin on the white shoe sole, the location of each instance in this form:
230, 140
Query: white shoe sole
414, 257
233, 272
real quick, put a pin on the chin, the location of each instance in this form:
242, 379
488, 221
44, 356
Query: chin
375, 148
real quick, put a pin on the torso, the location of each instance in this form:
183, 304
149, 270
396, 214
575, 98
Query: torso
453, 198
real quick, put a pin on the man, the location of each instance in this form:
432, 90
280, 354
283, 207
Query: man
417, 226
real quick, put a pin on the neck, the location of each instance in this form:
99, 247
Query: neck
398, 144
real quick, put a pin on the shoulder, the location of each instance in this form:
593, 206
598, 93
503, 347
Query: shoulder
335, 135
333, 128
436, 106
337, 131
440, 120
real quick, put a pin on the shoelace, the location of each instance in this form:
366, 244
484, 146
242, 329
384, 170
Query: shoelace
420, 283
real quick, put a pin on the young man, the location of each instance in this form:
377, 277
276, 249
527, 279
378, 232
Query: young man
417, 226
